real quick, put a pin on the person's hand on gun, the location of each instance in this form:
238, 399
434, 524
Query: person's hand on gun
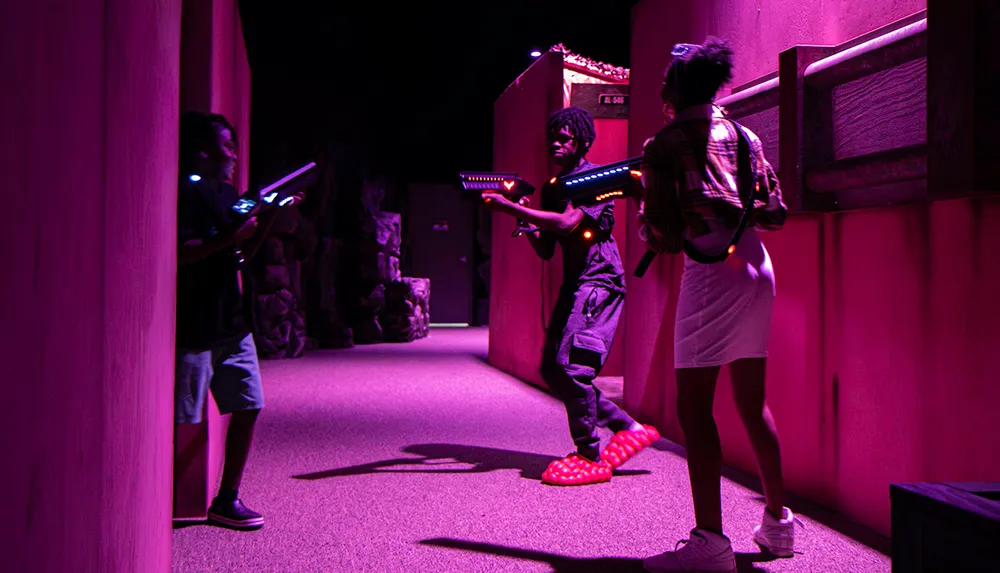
653, 238
268, 216
297, 198
497, 202
246, 230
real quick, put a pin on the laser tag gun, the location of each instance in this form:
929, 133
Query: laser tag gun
277, 194
607, 183
598, 185
506, 184
503, 183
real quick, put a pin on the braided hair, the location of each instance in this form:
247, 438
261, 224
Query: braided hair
698, 72
579, 122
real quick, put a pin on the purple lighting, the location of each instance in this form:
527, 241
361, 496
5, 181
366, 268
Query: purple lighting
535, 53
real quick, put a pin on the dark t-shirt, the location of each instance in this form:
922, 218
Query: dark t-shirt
209, 303
595, 260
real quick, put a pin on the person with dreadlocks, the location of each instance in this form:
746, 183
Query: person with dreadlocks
706, 180
585, 318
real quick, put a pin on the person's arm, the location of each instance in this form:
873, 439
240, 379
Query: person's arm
771, 216
255, 242
562, 223
194, 250
544, 243
660, 209
640, 200
266, 219
550, 223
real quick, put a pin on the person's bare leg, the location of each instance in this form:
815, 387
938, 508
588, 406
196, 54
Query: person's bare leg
749, 376
695, 395
238, 440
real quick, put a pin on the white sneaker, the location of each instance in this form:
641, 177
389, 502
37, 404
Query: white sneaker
704, 552
777, 536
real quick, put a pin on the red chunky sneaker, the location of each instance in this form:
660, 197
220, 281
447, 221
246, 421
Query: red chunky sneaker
626, 444
575, 469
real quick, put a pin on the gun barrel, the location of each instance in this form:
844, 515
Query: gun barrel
294, 174
504, 183
605, 183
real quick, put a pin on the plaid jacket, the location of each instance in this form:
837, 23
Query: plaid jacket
689, 172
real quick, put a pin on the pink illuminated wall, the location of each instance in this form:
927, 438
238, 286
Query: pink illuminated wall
880, 367
90, 160
216, 73
215, 77
521, 292
757, 29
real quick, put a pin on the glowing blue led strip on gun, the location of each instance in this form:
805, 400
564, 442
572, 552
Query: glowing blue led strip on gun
596, 175
268, 194
601, 184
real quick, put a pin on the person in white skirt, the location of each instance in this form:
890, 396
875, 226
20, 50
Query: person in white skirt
693, 203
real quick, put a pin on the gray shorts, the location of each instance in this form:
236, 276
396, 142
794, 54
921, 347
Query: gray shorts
231, 371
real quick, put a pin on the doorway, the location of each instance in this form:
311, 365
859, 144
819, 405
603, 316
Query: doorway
441, 231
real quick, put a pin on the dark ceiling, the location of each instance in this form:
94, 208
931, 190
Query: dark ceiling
414, 84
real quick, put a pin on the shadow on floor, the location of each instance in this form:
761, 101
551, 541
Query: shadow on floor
186, 523
430, 455
563, 564
812, 510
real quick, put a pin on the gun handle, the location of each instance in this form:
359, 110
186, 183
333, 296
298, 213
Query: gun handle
519, 229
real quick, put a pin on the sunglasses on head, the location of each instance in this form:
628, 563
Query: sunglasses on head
682, 49
678, 51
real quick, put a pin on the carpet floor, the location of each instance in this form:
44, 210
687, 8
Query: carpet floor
421, 457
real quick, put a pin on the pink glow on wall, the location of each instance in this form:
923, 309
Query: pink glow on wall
90, 156
215, 69
884, 321
523, 287
757, 29
231, 79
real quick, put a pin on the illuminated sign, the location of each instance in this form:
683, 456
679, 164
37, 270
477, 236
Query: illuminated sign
613, 99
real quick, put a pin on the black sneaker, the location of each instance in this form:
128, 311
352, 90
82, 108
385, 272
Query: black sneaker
234, 514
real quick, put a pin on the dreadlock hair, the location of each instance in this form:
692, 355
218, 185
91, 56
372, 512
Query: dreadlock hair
698, 74
579, 122
199, 131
